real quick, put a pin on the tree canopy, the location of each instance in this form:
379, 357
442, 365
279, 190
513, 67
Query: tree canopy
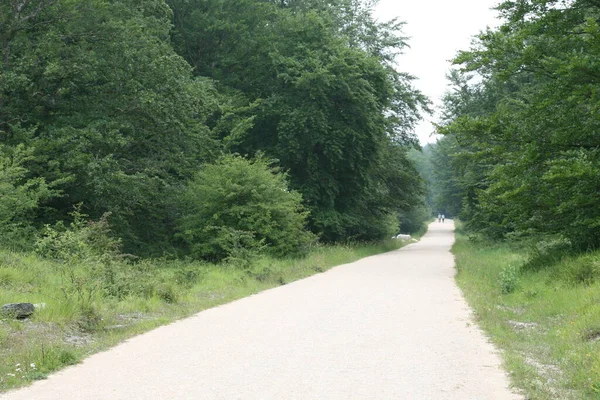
119, 103
522, 123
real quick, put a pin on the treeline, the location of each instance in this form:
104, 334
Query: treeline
521, 153
205, 126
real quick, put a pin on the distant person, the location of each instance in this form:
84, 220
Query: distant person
443, 217
439, 217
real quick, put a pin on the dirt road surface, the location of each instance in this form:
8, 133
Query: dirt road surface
392, 326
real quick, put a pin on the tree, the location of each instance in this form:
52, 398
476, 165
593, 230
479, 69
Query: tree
111, 111
318, 98
534, 136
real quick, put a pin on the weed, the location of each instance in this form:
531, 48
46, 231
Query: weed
86, 294
559, 300
167, 292
89, 319
509, 277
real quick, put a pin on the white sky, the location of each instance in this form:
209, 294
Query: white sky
437, 29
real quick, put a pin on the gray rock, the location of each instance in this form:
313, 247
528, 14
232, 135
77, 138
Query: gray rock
17, 310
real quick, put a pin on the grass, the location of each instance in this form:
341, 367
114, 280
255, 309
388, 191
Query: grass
86, 309
545, 319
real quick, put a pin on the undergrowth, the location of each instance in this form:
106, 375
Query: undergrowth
93, 298
541, 306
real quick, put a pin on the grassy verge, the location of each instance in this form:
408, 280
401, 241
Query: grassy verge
545, 319
84, 313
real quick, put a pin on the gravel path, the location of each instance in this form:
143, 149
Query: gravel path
392, 326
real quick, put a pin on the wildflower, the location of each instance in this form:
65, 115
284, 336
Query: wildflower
17, 365
10, 374
18, 369
32, 365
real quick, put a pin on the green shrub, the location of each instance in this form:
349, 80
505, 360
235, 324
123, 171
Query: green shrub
188, 276
578, 270
547, 252
89, 319
236, 208
509, 277
167, 292
83, 240
88, 257
414, 220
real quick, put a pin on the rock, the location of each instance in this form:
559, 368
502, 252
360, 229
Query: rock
17, 310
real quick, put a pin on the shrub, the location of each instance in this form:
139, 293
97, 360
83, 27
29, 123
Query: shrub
548, 252
235, 208
509, 277
583, 269
87, 255
414, 220
83, 240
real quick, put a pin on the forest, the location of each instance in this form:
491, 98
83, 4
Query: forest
198, 127
159, 157
520, 153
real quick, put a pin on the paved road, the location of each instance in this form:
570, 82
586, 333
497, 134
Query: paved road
393, 326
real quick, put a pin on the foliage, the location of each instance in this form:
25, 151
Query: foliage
83, 241
237, 206
121, 101
525, 150
547, 326
110, 111
321, 97
20, 197
509, 277
415, 220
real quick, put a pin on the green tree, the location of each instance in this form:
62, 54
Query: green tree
530, 126
20, 197
317, 98
111, 111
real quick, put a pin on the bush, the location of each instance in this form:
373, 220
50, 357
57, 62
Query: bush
577, 270
509, 277
548, 252
235, 208
83, 240
415, 220
87, 256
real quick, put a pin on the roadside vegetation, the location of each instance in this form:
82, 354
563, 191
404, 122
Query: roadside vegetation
88, 302
159, 157
519, 164
541, 307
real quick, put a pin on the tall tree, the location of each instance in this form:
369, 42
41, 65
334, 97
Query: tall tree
113, 114
536, 132
310, 93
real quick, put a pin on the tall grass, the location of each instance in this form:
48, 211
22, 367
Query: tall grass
545, 319
86, 308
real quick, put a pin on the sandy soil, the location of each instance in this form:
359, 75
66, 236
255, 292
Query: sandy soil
392, 326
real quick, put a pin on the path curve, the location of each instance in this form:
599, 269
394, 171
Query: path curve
392, 326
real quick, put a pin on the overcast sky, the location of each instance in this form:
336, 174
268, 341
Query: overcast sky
437, 30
